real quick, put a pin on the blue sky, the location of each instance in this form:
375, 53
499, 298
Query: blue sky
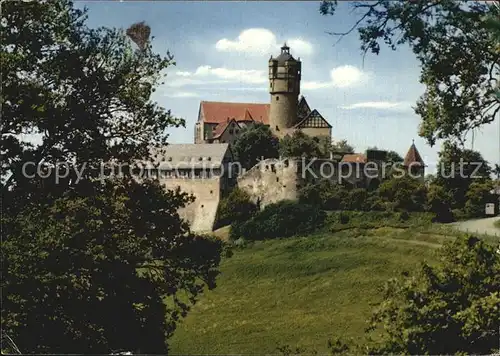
222, 49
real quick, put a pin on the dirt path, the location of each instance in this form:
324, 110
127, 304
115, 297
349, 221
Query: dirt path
480, 226
413, 242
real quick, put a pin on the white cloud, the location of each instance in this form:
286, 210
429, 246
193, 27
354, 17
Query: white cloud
208, 75
243, 89
261, 41
299, 46
315, 85
346, 76
182, 94
341, 77
380, 105
183, 74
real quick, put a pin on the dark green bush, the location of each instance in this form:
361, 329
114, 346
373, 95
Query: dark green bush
283, 219
340, 220
325, 193
404, 216
375, 203
356, 200
344, 218
459, 214
478, 195
404, 194
237, 206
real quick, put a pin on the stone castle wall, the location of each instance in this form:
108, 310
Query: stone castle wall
201, 213
271, 181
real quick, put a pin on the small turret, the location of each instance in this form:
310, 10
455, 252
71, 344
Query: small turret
414, 163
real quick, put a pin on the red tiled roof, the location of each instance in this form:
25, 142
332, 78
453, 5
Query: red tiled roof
219, 112
220, 128
248, 116
413, 156
354, 158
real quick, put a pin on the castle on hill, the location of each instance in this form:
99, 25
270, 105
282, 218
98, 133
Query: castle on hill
221, 122
201, 168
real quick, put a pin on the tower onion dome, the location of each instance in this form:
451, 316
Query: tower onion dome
285, 55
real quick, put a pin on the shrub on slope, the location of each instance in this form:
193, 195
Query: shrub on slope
283, 219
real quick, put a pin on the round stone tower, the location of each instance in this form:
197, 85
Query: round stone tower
284, 87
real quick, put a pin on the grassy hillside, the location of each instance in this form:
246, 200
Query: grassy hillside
300, 291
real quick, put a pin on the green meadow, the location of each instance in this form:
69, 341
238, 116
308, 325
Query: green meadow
302, 291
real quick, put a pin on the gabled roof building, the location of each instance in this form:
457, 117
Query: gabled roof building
221, 122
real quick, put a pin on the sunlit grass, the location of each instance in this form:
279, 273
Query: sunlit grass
301, 291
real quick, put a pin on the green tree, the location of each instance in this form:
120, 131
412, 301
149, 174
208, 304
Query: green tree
496, 171
450, 308
404, 193
325, 193
439, 202
89, 266
88, 102
356, 199
457, 169
394, 157
104, 268
283, 219
457, 54
254, 143
492, 23
299, 145
478, 195
325, 146
237, 206
342, 147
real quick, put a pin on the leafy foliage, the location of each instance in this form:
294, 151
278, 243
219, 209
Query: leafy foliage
439, 202
101, 269
299, 145
457, 169
237, 206
394, 157
478, 195
404, 193
496, 171
325, 193
457, 50
90, 266
255, 142
283, 219
345, 220
84, 92
446, 309
342, 146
